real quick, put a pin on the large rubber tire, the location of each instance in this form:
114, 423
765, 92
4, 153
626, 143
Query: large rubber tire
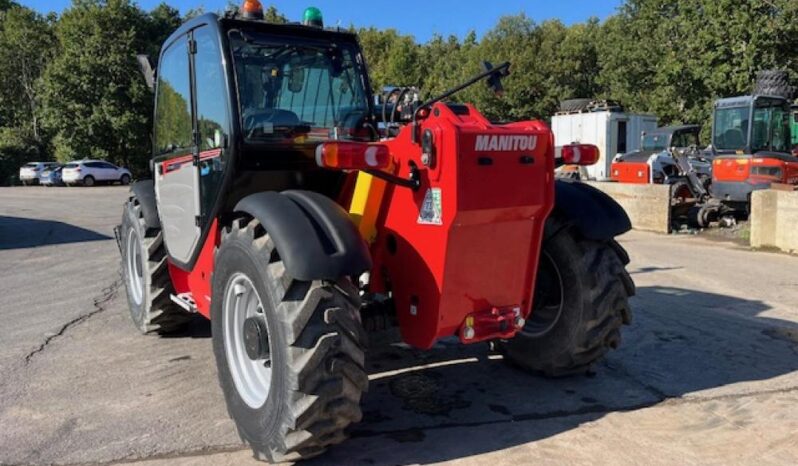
583, 287
88, 181
317, 350
151, 307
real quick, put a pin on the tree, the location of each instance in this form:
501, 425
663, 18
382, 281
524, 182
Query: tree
96, 102
26, 46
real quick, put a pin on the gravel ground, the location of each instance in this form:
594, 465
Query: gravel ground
706, 373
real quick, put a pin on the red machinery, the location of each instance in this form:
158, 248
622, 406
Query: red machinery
289, 213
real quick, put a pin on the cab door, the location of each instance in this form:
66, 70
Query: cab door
176, 173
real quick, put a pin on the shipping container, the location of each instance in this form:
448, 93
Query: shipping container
614, 132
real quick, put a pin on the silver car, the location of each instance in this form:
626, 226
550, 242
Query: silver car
31, 173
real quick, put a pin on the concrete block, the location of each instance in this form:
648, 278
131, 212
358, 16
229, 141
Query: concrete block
774, 220
648, 205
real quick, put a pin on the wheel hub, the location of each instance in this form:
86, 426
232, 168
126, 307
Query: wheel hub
255, 338
548, 299
135, 269
246, 340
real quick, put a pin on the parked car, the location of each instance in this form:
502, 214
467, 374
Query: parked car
30, 173
52, 176
91, 172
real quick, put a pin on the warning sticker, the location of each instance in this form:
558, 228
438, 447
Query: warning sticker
431, 210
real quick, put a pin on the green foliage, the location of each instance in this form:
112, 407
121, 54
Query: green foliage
26, 46
96, 102
72, 88
16, 149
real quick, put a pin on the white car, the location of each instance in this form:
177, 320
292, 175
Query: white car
91, 172
30, 173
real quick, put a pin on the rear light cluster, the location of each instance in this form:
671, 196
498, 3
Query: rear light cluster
353, 156
579, 154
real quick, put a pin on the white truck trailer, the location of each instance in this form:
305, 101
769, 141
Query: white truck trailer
612, 130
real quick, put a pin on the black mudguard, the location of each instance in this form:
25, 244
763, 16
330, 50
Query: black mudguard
314, 236
144, 190
596, 215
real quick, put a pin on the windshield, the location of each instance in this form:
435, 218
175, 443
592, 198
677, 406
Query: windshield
31, 165
655, 142
771, 129
71, 165
731, 128
298, 92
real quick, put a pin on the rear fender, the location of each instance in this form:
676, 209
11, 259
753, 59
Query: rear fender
144, 190
314, 236
594, 214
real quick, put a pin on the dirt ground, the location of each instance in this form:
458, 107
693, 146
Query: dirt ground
706, 374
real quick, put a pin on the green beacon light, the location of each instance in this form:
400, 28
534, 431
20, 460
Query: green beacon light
312, 17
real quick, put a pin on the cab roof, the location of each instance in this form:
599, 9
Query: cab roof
230, 20
743, 100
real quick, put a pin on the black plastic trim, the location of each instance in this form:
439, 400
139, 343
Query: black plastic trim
314, 236
736, 191
144, 190
596, 215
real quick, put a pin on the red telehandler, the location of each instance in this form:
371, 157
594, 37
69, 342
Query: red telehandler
286, 210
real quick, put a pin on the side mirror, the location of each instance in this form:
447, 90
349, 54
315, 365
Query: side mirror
495, 80
145, 65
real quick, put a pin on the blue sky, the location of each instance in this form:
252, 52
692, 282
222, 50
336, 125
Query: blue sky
420, 18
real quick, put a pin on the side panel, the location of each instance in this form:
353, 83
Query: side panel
176, 188
198, 280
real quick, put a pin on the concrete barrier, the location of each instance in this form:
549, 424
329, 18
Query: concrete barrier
774, 220
648, 205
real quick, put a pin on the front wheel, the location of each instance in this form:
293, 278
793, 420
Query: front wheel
147, 280
580, 303
125, 180
289, 353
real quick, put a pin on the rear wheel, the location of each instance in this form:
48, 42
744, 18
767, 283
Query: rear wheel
88, 180
290, 353
580, 303
146, 276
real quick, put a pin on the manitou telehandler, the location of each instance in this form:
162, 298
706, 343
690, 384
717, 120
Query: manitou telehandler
283, 210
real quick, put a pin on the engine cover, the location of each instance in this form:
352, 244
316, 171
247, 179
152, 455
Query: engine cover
466, 243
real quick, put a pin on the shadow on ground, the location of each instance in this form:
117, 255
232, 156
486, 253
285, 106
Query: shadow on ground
681, 343
20, 233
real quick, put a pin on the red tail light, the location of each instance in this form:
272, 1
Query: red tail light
579, 154
353, 156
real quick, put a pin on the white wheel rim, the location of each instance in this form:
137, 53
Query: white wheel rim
252, 378
135, 271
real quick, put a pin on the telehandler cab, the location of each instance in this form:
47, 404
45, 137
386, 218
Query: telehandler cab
285, 210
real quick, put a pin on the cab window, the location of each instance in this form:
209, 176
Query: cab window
173, 127
213, 120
